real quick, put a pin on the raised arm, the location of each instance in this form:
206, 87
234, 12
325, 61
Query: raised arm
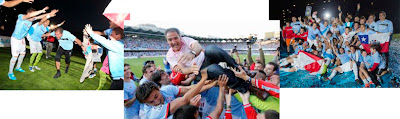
250, 112
222, 81
175, 104
249, 58
47, 16
209, 84
262, 58
129, 102
13, 3
58, 25
301, 21
35, 13
261, 84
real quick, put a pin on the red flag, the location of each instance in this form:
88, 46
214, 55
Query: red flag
117, 12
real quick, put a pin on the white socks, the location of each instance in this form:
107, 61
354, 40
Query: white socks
20, 59
285, 69
355, 70
12, 64
369, 79
284, 63
365, 81
332, 74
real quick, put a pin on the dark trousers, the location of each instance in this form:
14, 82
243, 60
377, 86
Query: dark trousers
215, 55
373, 76
117, 85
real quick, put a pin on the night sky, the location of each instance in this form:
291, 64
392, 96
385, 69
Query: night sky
391, 7
77, 13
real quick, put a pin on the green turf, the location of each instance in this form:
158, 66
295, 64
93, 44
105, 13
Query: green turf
43, 79
137, 63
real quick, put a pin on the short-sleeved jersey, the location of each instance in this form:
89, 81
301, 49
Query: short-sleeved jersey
66, 41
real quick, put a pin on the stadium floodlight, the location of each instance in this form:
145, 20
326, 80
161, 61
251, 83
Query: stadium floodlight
327, 15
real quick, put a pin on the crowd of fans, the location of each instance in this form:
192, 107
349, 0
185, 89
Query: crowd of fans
147, 43
345, 42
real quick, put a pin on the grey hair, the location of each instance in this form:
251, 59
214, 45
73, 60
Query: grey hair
172, 30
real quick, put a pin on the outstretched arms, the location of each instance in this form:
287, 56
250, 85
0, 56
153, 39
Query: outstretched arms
13, 3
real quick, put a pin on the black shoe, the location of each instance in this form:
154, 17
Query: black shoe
359, 82
58, 74
66, 69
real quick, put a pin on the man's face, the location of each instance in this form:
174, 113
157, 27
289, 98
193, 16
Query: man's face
165, 79
294, 19
269, 70
287, 24
301, 31
258, 59
352, 49
127, 72
149, 72
58, 34
356, 26
174, 40
363, 28
356, 19
382, 16
371, 18
115, 35
258, 66
364, 54
362, 21
372, 50
46, 23
341, 50
155, 98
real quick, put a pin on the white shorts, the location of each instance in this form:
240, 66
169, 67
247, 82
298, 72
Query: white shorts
346, 67
18, 46
311, 42
298, 64
36, 47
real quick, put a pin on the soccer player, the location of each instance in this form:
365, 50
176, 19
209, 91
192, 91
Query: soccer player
384, 26
371, 22
295, 25
377, 61
163, 101
18, 49
346, 66
66, 41
131, 105
147, 71
288, 35
13, 3
115, 54
35, 36
366, 63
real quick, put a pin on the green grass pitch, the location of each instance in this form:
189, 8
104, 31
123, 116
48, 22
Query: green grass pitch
43, 79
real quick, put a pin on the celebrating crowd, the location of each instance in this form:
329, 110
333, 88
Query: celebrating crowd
197, 83
346, 43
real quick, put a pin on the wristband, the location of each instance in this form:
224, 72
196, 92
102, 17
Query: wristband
193, 52
48, 16
249, 79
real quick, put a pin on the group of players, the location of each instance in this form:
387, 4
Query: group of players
339, 44
197, 82
112, 64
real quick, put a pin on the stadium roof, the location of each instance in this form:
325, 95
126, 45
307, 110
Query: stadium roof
160, 32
